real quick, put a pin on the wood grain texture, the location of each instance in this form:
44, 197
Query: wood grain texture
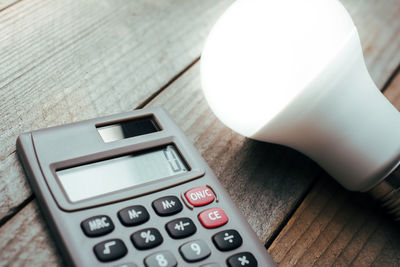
378, 26
64, 61
393, 91
335, 227
73, 83
6, 3
26, 242
83, 60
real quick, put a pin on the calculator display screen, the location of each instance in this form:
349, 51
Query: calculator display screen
90, 180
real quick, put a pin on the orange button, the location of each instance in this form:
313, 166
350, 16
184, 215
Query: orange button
213, 218
200, 196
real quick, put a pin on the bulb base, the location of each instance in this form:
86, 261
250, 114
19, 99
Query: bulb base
387, 193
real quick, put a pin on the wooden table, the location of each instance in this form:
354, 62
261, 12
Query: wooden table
65, 61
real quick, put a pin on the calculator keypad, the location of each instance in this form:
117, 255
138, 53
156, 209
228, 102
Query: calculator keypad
181, 228
97, 226
166, 206
133, 215
161, 259
195, 251
146, 238
110, 250
227, 240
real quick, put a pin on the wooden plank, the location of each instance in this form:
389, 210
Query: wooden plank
264, 180
6, 3
335, 227
379, 29
64, 61
393, 91
26, 242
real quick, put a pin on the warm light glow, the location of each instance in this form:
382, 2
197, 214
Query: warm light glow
262, 53
292, 72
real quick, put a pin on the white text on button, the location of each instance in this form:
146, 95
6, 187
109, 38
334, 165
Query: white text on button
214, 215
201, 194
98, 223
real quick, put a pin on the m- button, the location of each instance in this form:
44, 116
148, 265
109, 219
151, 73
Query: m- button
133, 215
213, 218
97, 226
200, 196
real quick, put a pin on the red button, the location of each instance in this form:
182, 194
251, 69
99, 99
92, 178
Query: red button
200, 196
213, 218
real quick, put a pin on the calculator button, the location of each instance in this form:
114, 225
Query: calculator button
160, 259
213, 218
200, 196
133, 215
97, 226
181, 228
166, 206
146, 238
195, 251
242, 259
227, 240
110, 250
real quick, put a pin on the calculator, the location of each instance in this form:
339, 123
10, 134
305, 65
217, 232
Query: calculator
131, 190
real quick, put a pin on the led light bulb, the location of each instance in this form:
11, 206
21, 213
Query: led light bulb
292, 72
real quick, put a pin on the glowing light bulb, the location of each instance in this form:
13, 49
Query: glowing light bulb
292, 72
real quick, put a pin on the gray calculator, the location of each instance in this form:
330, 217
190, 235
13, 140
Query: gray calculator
131, 190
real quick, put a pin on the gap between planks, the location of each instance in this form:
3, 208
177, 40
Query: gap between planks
124, 57
141, 105
4, 4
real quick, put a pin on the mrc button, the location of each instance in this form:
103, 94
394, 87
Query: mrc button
213, 218
200, 196
97, 226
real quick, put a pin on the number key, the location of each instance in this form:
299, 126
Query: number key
161, 259
195, 251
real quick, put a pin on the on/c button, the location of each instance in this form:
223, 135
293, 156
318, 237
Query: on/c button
213, 218
200, 196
